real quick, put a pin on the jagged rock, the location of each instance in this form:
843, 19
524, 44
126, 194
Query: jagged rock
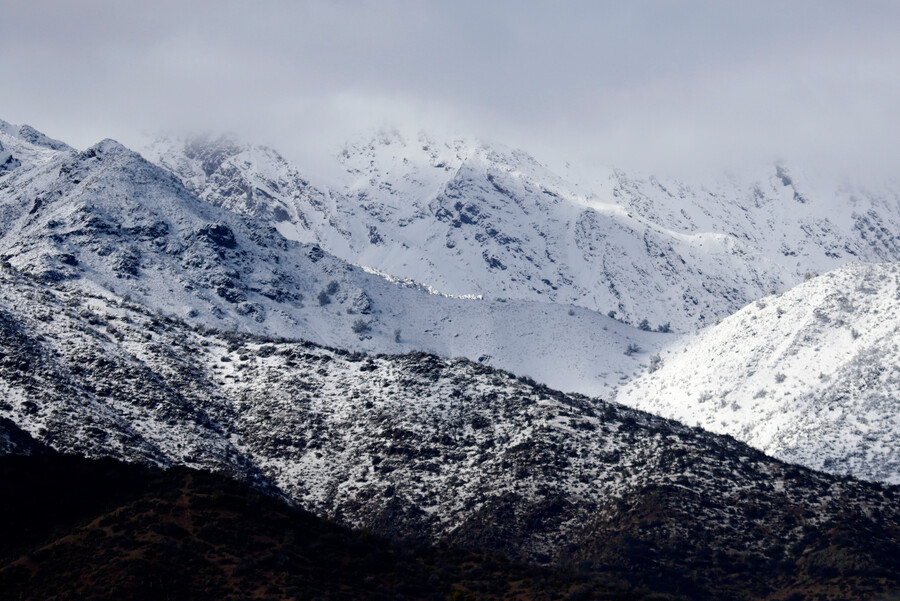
7, 161
360, 303
218, 234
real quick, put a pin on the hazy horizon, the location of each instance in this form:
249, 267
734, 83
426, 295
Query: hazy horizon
655, 86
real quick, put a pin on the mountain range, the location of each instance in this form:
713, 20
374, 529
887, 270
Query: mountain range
472, 218
735, 241
107, 219
423, 348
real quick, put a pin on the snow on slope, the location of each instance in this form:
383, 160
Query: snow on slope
7, 161
408, 445
810, 376
467, 217
251, 180
108, 220
24, 144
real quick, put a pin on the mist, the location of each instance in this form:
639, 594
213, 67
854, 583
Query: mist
675, 88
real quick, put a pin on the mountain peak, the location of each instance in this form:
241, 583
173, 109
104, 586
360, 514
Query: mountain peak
28, 134
27, 146
107, 146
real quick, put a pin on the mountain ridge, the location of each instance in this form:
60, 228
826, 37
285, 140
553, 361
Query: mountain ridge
138, 533
468, 217
111, 221
430, 449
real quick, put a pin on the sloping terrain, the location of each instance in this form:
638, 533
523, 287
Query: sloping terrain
7, 161
26, 146
14, 441
104, 530
467, 217
810, 376
106, 219
436, 450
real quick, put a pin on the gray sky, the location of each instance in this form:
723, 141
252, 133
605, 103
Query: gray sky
659, 85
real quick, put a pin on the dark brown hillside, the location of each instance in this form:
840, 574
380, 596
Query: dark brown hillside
101, 529
104, 530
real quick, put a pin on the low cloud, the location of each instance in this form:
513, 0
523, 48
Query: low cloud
653, 85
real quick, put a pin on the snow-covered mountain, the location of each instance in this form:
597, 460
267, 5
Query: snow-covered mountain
107, 220
422, 447
24, 144
467, 217
811, 376
249, 179
208, 245
154, 313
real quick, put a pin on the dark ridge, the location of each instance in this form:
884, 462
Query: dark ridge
703, 516
104, 530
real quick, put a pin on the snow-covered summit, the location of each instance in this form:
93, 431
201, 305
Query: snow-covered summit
252, 180
26, 145
469, 217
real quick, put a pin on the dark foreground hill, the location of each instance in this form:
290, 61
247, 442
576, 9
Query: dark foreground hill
75, 528
104, 530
